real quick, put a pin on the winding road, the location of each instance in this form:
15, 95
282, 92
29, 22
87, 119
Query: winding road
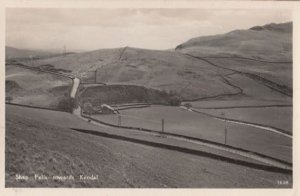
245, 153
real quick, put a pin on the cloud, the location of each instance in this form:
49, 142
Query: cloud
107, 28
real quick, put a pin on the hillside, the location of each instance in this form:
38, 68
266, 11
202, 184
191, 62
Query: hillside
37, 143
28, 87
185, 72
163, 70
272, 42
16, 53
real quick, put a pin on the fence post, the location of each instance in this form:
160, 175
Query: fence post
162, 125
225, 130
225, 134
119, 120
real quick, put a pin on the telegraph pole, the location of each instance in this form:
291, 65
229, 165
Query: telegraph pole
162, 125
119, 120
65, 50
31, 59
225, 130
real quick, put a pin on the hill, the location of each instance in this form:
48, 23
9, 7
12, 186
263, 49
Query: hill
29, 87
37, 143
185, 72
16, 53
271, 42
164, 70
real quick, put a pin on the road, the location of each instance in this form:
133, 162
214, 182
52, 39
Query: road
76, 83
268, 160
245, 153
76, 80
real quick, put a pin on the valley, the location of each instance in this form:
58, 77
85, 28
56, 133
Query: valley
227, 110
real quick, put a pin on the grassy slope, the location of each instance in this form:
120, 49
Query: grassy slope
156, 69
281, 73
271, 42
67, 120
280, 117
198, 125
16, 53
34, 147
36, 88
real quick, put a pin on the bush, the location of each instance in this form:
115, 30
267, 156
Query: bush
187, 105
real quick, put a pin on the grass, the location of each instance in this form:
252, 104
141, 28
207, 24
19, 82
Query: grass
273, 44
279, 117
34, 146
281, 73
35, 88
237, 102
162, 70
254, 89
197, 125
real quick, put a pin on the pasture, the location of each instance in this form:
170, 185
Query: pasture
180, 121
278, 117
35, 88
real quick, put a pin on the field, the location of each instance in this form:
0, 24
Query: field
37, 146
278, 117
164, 70
66, 121
183, 122
34, 88
280, 73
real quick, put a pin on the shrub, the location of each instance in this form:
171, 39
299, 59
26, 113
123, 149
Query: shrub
187, 105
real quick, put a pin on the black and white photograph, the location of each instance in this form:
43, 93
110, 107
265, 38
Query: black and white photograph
148, 98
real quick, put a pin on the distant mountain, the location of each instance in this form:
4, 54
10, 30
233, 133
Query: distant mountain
16, 53
271, 42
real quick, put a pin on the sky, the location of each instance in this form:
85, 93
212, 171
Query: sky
91, 29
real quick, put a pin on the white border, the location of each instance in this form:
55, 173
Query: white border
295, 6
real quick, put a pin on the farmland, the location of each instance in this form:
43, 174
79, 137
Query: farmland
37, 146
279, 117
183, 122
33, 88
277, 72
